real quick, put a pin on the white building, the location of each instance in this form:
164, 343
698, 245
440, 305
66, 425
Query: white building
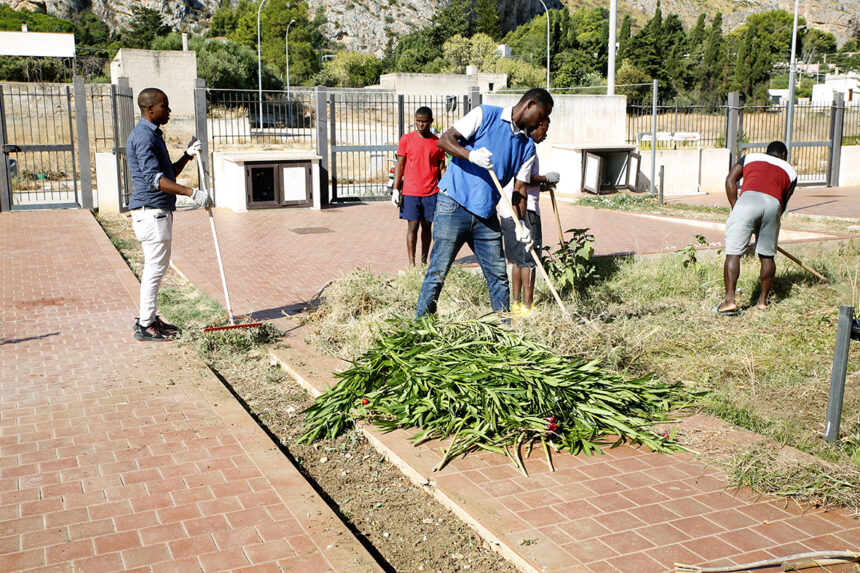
848, 84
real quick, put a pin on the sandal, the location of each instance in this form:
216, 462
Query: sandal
733, 312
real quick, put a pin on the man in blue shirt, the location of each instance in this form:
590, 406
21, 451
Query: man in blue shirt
152, 204
488, 137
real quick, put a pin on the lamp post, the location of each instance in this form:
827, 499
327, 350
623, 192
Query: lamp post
789, 116
287, 43
547, 42
260, 65
610, 72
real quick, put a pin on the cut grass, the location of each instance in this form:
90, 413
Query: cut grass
766, 469
766, 371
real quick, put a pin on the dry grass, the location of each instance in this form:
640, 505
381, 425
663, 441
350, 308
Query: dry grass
766, 371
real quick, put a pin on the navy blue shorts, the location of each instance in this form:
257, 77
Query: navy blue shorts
414, 208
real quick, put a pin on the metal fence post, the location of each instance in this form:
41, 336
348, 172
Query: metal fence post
5, 183
844, 329
653, 136
401, 118
201, 128
320, 103
838, 114
83, 143
116, 145
733, 105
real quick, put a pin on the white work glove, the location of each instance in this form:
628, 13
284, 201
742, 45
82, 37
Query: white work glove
551, 178
194, 147
524, 236
481, 157
395, 197
202, 198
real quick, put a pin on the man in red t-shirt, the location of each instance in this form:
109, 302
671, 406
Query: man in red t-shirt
768, 183
420, 165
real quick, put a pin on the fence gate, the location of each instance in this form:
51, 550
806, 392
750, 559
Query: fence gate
122, 108
364, 130
37, 167
812, 145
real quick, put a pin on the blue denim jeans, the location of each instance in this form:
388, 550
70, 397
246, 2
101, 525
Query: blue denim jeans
454, 226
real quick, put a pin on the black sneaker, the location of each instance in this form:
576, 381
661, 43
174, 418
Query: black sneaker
165, 327
151, 332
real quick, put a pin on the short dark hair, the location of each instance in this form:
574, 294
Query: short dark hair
424, 110
538, 95
777, 149
148, 97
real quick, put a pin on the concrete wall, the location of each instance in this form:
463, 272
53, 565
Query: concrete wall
576, 119
681, 172
849, 166
441, 84
173, 72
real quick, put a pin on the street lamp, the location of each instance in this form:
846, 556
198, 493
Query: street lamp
789, 119
547, 42
610, 72
260, 65
287, 43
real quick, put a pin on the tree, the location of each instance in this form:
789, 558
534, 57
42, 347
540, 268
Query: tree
816, 44
146, 25
624, 36
452, 19
274, 19
712, 75
224, 20
350, 70
626, 77
487, 18
752, 67
458, 52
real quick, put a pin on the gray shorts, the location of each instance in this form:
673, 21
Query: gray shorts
757, 213
514, 250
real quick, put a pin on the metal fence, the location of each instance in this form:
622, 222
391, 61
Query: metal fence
238, 118
364, 130
38, 151
811, 139
708, 121
851, 126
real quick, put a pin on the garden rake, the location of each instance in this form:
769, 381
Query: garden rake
531, 250
230, 318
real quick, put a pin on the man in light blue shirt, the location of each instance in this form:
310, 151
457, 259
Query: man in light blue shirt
488, 137
152, 204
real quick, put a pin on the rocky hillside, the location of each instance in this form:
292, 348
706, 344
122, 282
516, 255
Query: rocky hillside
366, 25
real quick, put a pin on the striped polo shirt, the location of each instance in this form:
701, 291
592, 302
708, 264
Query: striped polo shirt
767, 174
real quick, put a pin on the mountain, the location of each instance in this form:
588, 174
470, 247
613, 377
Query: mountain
366, 25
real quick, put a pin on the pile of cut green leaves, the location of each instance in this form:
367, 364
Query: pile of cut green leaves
487, 388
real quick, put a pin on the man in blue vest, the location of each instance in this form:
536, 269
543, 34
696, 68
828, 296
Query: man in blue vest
488, 137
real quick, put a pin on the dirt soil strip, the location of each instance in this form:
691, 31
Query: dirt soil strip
625, 511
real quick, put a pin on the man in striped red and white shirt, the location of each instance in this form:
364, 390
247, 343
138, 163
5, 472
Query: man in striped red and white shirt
768, 183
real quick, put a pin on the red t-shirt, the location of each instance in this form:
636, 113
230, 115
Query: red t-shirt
767, 174
421, 173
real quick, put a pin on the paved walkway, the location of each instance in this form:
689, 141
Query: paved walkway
628, 511
120, 455
276, 259
820, 201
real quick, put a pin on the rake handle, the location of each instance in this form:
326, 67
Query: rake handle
801, 264
557, 219
202, 176
531, 250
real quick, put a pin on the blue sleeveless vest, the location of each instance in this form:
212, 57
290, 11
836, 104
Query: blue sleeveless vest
470, 185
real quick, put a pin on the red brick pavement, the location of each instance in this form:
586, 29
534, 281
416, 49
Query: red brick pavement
624, 512
820, 201
271, 267
108, 464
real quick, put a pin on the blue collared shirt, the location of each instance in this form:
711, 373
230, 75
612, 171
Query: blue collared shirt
148, 162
